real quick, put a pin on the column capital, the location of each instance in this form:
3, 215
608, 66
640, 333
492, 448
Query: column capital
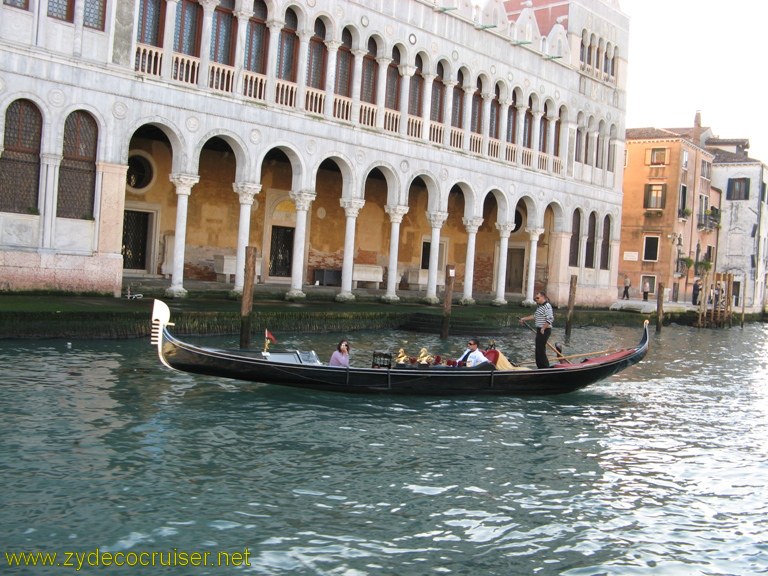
505, 228
406, 70
383, 60
332, 45
396, 213
243, 14
534, 233
352, 206
246, 191
209, 5
302, 199
437, 219
273, 24
472, 225
51, 159
184, 182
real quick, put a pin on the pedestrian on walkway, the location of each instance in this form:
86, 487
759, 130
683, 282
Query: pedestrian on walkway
627, 285
646, 289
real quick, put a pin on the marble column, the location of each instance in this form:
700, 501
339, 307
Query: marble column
183, 184
533, 243
436, 221
245, 191
169, 29
330, 77
302, 199
505, 229
381, 90
396, 214
352, 207
472, 225
205, 42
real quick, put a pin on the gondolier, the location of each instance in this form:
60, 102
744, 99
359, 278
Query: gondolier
544, 318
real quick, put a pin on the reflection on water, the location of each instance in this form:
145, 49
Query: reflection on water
660, 468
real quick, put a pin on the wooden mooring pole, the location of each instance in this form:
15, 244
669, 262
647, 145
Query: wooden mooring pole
450, 273
571, 305
659, 306
246, 304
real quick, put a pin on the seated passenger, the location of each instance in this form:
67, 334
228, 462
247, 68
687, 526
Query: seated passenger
340, 356
472, 355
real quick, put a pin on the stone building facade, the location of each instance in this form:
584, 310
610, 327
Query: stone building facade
342, 139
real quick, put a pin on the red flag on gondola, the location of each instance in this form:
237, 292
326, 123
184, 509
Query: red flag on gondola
268, 336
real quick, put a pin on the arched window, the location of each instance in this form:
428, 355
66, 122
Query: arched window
558, 127
605, 244
457, 113
223, 33
77, 174
437, 105
189, 18
392, 96
344, 63
493, 127
589, 255
579, 148
257, 39
416, 89
528, 125
149, 29
370, 74
287, 51
20, 161
476, 122
544, 129
512, 119
317, 57
573, 255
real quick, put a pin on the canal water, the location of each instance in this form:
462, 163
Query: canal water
109, 459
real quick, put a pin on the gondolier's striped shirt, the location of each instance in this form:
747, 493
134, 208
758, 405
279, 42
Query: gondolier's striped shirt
544, 315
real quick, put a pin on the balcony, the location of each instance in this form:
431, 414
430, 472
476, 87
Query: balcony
708, 221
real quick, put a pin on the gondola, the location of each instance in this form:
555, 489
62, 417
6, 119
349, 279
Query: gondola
303, 369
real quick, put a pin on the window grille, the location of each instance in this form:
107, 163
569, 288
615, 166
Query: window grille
370, 74
61, 10
77, 174
20, 161
149, 29
94, 14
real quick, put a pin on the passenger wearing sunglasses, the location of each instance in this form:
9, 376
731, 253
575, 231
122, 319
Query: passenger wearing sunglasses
472, 355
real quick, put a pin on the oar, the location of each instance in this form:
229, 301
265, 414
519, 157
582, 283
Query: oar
555, 350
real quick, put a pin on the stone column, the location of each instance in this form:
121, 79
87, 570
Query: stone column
243, 16
533, 240
465, 128
536, 135
352, 207
303, 199
568, 145
396, 214
436, 220
245, 191
448, 113
485, 122
301, 69
381, 90
357, 84
405, 91
275, 26
77, 39
205, 41
169, 35
520, 125
183, 184
426, 112
505, 229
551, 124
503, 122
472, 225
330, 77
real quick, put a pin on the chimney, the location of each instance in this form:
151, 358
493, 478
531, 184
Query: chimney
697, 129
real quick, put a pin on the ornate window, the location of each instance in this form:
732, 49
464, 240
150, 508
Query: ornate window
223, 33
20, 161
528, 125
257, 39
188, 22
392, 96
151, 21
476, 122
493, 126
287, 52
589, 252
77, 174
573, 256
512, 120
605, 245
437, 105
370, 74
344, 62
457, 113
318, 54
416, 89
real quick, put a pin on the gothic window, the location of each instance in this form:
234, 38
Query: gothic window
416, 89
437, 105
457, 113
77, 174
605, 245
512, 120
573, 255
370, 74
493, 127
20, 161
528, 125
287, 52
589, 254
476, 122
223, 33
94, 14
62, 10
544, 130
188, 22
558, 127
392, 96
257, 39
151, 21
318, 54
344, 65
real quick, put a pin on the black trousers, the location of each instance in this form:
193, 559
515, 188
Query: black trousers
541, 347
